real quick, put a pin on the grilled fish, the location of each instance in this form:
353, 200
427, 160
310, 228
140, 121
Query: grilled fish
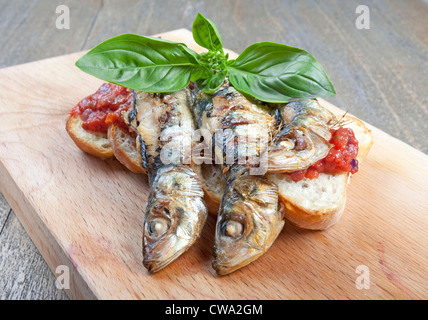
240, 128
175, 211
304, 137
249, 218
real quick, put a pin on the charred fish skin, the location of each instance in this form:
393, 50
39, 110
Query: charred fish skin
304, 137
175, 211
250, 217
249, 220
238, 125
164, 124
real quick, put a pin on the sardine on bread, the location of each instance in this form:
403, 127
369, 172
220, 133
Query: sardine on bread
316, 203
309, 203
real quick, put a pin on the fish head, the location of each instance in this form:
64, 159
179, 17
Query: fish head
175, 216
249, 221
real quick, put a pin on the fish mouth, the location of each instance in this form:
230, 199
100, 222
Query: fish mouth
225, 265
154, 262
158, 253
154, 266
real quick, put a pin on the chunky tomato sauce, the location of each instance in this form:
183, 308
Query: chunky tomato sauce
341, 158
104, 107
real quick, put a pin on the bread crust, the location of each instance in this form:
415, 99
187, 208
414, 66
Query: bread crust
131, 160
94, 143
212, 199
363, 135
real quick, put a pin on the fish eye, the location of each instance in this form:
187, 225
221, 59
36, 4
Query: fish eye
157, 227
233, 229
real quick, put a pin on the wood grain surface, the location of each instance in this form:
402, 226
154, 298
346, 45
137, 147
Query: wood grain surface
381, 74
87, 213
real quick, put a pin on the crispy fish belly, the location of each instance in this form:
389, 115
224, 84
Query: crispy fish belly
175, 211
304, 137
249, 218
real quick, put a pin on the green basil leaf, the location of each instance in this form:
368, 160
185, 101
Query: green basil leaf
276, 73
141, 63
206, 34
191, 52
213, 83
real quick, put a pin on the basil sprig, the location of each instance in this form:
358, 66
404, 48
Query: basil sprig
268, 71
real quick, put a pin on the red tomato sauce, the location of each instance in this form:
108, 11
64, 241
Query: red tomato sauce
341, 158
104, 107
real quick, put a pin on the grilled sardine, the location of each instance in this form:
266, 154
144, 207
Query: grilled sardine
175, 211
249, 219
304, 137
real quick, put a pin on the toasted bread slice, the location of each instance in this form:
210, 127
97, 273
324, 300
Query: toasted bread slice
319, 203
117, 142
312, 204
124, 148
95, 143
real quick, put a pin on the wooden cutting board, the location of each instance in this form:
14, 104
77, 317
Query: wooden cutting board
87, 214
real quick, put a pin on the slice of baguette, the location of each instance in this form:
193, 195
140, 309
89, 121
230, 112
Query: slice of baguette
95, 143
117, 142
319, 203
313, 204
124, 148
